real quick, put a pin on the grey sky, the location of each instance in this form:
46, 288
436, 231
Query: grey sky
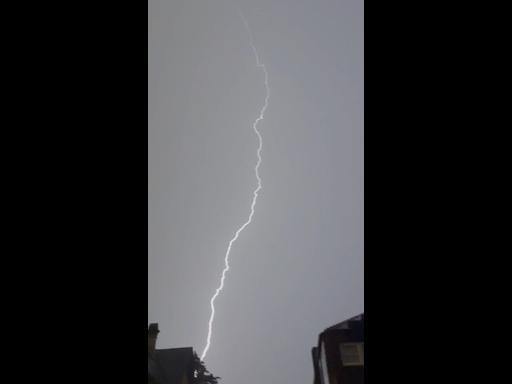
298, 267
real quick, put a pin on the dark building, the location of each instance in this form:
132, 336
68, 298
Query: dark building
168, 366
339, 356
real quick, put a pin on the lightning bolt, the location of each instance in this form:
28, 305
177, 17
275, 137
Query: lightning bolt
260, 65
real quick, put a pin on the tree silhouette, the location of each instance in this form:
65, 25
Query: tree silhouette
201, 374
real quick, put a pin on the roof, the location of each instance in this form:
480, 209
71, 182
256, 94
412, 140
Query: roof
346, 324
167, 366
353, 327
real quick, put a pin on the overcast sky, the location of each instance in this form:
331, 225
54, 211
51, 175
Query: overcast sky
298, 267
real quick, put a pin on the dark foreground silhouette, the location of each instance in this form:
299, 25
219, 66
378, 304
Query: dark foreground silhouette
201, 374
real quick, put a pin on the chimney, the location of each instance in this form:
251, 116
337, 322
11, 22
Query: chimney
152, 335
